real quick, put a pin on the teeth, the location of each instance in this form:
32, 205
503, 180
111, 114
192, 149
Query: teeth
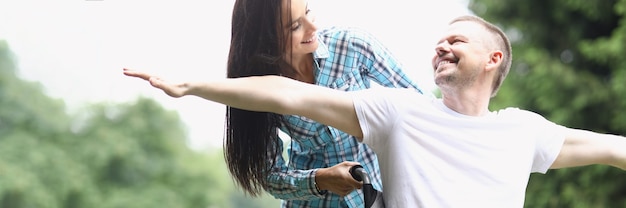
442, 63
309, 40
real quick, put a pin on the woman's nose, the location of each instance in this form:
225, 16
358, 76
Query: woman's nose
310, 22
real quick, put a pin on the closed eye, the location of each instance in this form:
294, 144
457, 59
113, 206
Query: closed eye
296, 26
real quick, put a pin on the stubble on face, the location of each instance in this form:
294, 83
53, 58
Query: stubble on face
467, 51
457, 77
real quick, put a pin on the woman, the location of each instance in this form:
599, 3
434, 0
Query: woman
278, 37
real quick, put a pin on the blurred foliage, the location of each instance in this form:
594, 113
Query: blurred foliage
106, 156
567, 66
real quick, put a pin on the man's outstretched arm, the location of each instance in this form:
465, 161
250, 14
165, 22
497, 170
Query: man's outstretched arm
584, 147
269, 94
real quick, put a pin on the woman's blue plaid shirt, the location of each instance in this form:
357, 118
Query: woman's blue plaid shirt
346, 59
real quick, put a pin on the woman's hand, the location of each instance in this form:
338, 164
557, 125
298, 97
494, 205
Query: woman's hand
337, 179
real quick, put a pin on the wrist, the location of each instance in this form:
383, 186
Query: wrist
319, 191
317, 187
190, 88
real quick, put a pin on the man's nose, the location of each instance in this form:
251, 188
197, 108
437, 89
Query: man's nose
442, 48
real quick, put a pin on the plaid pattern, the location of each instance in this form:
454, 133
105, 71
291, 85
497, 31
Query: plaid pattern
347, 59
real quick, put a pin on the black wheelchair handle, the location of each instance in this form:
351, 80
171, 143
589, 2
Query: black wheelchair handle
359, 174
369, 193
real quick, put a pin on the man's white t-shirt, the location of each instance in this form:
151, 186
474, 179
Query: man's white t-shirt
432, 156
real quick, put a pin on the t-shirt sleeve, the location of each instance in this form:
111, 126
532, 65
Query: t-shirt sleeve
377, 109
549, 141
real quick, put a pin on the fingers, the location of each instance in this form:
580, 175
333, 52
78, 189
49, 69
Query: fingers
349, 163
171, 89
337, 179
357, 184
353, 182
154, 81
345, 190
141, 75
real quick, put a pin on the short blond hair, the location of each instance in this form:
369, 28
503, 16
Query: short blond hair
502, 43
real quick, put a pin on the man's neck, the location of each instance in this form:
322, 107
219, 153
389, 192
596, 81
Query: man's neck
468, 102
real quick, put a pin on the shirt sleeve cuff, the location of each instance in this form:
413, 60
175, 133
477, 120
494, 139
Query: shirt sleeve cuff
313, 186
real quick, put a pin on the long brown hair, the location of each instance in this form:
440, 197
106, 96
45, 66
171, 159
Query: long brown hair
257, 47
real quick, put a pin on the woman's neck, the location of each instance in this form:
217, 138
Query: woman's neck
303, 68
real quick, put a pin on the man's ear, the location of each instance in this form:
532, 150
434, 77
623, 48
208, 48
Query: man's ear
495, 60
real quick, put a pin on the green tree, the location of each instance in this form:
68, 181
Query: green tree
30, 126
106, 155
567, 66
138, 154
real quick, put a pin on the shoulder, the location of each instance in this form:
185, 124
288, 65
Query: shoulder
517, 114
392, 95
345, 33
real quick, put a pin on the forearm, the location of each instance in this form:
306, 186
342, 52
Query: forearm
282, 96
611, 148
267, 93
619, 152
287, 184
584, 147
293, 185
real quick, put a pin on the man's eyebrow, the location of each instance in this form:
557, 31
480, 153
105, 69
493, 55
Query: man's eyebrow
441, 40
447, 37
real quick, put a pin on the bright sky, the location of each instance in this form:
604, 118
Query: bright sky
77, 48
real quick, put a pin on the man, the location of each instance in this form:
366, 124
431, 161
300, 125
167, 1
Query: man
448, 152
